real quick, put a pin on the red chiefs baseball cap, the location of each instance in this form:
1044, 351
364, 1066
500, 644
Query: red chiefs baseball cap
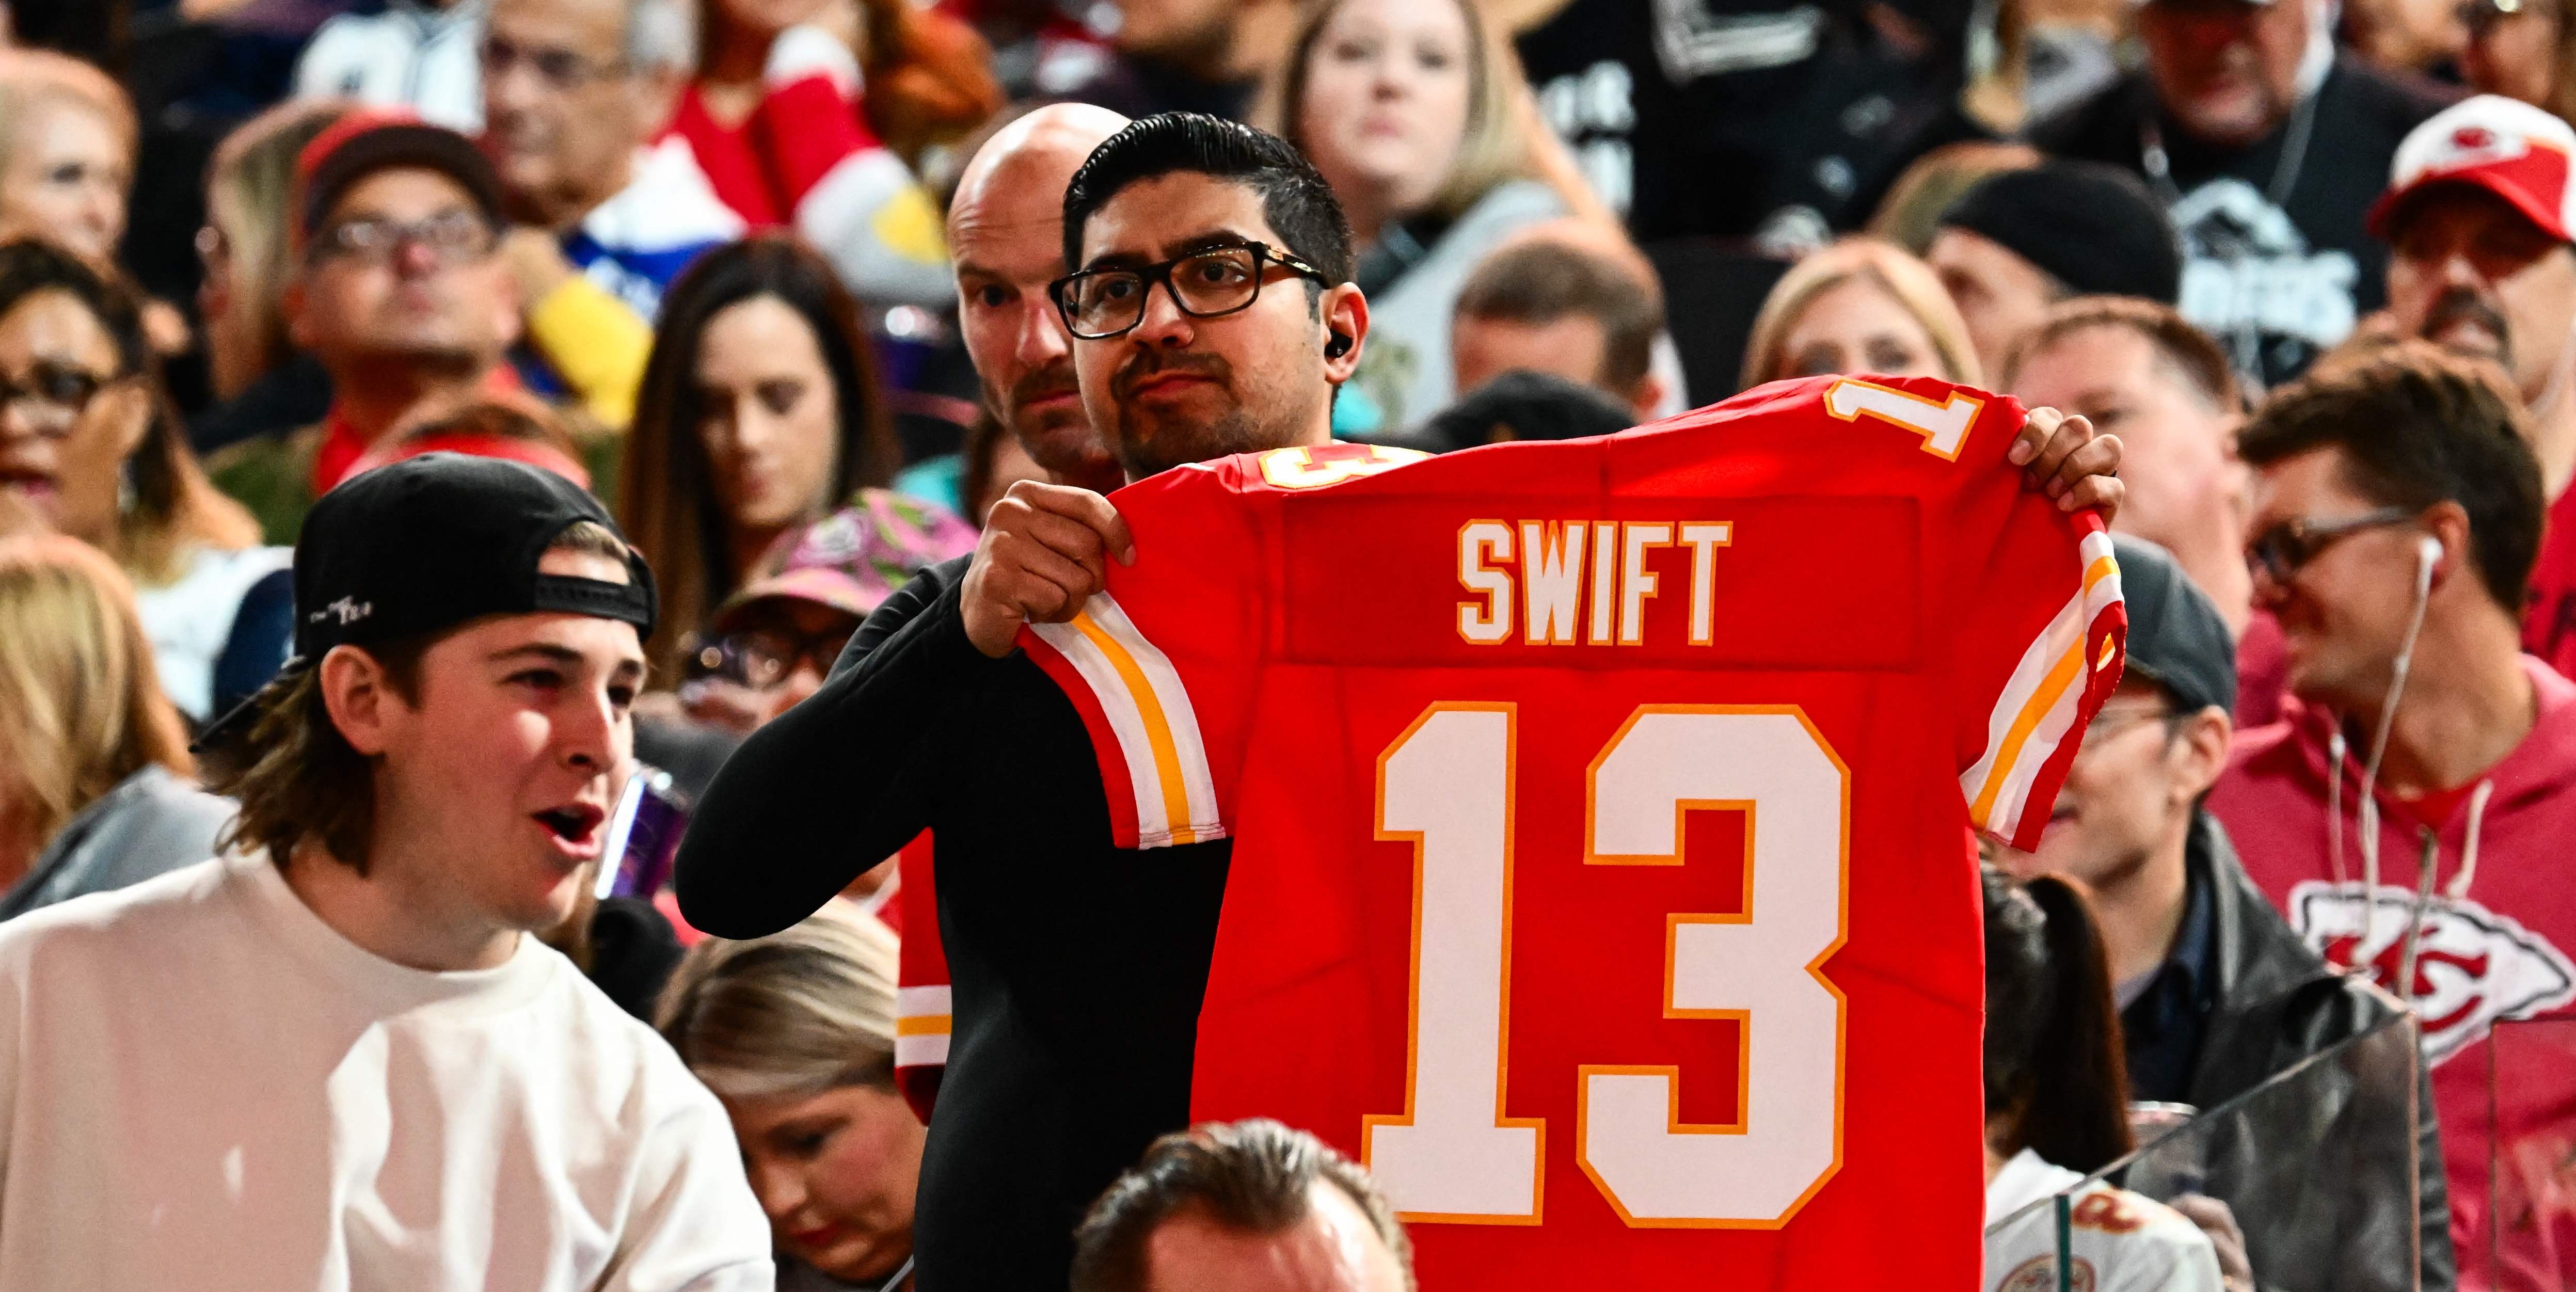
2507, 147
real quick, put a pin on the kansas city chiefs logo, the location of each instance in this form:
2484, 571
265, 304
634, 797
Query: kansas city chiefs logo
2473, 967
2478, 145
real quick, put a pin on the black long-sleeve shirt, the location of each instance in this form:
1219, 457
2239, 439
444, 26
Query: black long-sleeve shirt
1076, 969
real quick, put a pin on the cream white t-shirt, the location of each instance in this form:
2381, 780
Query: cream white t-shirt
2119, 1241
204, 1086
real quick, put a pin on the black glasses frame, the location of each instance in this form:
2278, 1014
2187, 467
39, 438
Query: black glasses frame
55, 395
2280, 552
1263, 256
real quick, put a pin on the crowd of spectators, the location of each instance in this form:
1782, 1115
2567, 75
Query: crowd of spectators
415, 415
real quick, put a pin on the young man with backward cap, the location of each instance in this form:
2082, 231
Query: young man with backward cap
334, 1057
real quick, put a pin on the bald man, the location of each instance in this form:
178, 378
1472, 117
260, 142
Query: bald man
1006, 232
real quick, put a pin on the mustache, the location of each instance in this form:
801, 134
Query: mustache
1056, 378
2459, 304
1155, 362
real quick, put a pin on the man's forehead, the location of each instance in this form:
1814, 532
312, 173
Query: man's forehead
561, 17
1014, 216
607, 644
2304, 481
1019, 176
1168, 215
401, 190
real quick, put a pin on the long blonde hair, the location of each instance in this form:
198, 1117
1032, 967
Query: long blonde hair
81, 706
1496, 147
1884, 265
250, 188
795, 1013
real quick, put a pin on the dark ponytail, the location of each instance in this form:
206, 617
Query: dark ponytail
2053, 1056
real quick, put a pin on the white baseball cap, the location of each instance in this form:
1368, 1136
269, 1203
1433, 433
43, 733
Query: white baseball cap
2505, 146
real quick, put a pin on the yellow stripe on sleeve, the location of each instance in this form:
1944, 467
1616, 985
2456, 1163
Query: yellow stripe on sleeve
1158, 728
2027, 721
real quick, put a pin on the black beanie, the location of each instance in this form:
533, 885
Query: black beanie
2093, 227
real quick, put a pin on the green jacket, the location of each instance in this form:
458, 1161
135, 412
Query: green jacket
273, 474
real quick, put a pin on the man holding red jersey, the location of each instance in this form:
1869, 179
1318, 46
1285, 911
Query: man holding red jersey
1214, 314
2477, 219
2410, 811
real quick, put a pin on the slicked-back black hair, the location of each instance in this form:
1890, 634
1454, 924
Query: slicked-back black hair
1296, 201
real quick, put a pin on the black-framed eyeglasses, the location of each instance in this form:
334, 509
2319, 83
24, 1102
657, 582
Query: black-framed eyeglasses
2279, 552
763, 658
560, 69
1098, 304
52, 396
455, 237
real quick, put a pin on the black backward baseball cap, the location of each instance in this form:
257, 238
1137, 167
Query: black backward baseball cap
425, 544
2176, 638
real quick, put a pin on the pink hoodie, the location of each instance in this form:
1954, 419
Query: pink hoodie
2498, 924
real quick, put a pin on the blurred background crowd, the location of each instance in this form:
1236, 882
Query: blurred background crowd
2311, 261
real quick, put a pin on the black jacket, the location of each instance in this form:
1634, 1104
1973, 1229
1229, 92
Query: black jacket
2309, 1165
2276, 255
1077, 968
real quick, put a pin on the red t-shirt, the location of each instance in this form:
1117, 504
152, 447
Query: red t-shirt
2549, 617
1602, 872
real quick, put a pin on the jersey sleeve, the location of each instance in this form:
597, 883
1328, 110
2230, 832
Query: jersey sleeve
1162, 664
921, 1004
2038, 630
1160, 660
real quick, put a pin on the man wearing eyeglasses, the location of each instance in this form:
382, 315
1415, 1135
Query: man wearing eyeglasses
574, 93
1212, 312
2477, 220
398, 290
2411, 812
2216, 992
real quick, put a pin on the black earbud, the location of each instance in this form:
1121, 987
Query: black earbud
1340, 345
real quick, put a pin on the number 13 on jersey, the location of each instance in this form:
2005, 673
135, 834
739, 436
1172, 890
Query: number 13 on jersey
1448, 785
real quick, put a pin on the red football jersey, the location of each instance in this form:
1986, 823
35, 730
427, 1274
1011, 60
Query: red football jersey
1602, 873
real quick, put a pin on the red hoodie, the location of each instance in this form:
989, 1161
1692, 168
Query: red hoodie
2497, 929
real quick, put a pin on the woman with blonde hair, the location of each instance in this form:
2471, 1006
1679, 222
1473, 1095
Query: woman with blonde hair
90, 444
95, 788
1860, 305
795, 1034
67, 141
1414, 112
262, 381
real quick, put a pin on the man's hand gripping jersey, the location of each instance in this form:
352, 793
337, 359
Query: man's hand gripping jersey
1602, 872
